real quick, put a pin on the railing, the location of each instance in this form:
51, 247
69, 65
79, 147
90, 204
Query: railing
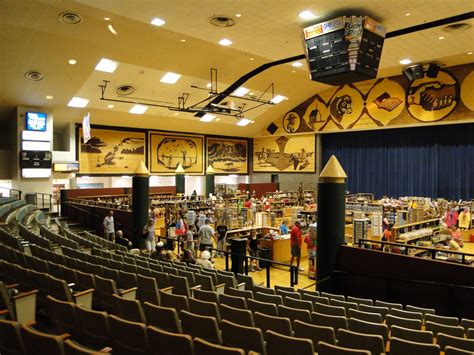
43, 200
432, 251
12, 192
268, 263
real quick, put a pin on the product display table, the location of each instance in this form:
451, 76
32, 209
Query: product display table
280, 249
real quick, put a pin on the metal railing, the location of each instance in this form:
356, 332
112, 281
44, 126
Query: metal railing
43, 200
12, 192
406, 247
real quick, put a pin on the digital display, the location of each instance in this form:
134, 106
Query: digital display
66, 167
36, 121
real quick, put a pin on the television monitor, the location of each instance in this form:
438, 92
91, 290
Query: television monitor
36, 121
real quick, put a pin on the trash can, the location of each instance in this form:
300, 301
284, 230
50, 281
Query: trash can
312, 265
263, 253
238, 246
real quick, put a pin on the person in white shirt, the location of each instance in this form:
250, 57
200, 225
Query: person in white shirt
204, 260
109, 228
149, 231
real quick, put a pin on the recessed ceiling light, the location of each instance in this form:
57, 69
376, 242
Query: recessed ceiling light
106, 65
277, 99
469, 53
441, 37
251, 93
138, 109
252, 58
110, 106
307, 15
243, 122
240, 91
293, 71
208, 85
183, 40
218, 119
407, 14
297, 64
207, 117
170, 78
176, 113
72, 61
112, 30
107, 18
225, 42
49, 97
78, 102
157, 22
238, 15
405, 61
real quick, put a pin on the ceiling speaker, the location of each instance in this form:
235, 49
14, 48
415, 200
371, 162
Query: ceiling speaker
433, 71
414, 72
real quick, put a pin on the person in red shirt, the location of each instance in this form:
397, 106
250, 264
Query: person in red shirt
296, 241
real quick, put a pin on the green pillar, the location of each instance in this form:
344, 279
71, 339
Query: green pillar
140, 201
331, 222
210, 182
179, 179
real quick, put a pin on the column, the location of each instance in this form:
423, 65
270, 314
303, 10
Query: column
179, 179
331, 221
209, 181
140, 201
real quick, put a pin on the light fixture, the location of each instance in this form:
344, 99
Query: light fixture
107, 18
307, 15
126, 177
252, 58
277, 99
297, 64
225, 42
407, 14
405, 61
138, 109
112, 30
72, 61
170, 78
207, 117
176, 114
35, 173
243, 122
106, 65
469, 53
49, 97
78, 102
157, 22
208, 85
183, 40
218, 119
293, 71
241, 91
238, 15
110, 106
441, 37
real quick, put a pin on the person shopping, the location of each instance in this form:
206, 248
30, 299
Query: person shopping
252, 248
149, 235
296, 241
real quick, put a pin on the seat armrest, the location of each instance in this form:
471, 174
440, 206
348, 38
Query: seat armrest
129, 294
4, 312
168, 290
220, 288
25, 294
197, 287
65, 336
241, 286
12, 286
84, 298
106, 350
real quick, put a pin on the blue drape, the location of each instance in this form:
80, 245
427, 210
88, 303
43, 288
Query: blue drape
434, 161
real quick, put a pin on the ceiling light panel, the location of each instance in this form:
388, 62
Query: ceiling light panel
78, 102
243, 122
297, 64
277, 99
106, 65
170, 78
207, 118
138, 109
225, 42
307, 15
240, 91
405, 61
157, 22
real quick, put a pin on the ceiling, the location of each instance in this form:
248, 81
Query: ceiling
33, 38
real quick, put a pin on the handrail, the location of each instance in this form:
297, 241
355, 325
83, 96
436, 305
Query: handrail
13, 192
432, 250
48, 197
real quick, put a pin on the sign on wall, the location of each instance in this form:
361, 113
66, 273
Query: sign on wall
295, 154
227, 156
111, 151
168, 150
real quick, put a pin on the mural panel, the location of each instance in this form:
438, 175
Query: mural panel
227, 156
168, 150
295, 154
111, 151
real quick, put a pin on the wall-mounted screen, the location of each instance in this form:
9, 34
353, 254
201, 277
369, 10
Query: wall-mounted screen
66, 167
36, 121
31, 145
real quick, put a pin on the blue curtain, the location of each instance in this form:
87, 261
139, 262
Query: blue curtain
435, 161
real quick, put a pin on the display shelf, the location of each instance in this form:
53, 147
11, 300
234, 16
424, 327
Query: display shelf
432, 224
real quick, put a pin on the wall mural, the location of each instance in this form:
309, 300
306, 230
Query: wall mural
168, 150
111, 151
227, 156
295, 154
384, 103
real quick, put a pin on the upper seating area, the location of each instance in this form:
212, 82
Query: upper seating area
110, 299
